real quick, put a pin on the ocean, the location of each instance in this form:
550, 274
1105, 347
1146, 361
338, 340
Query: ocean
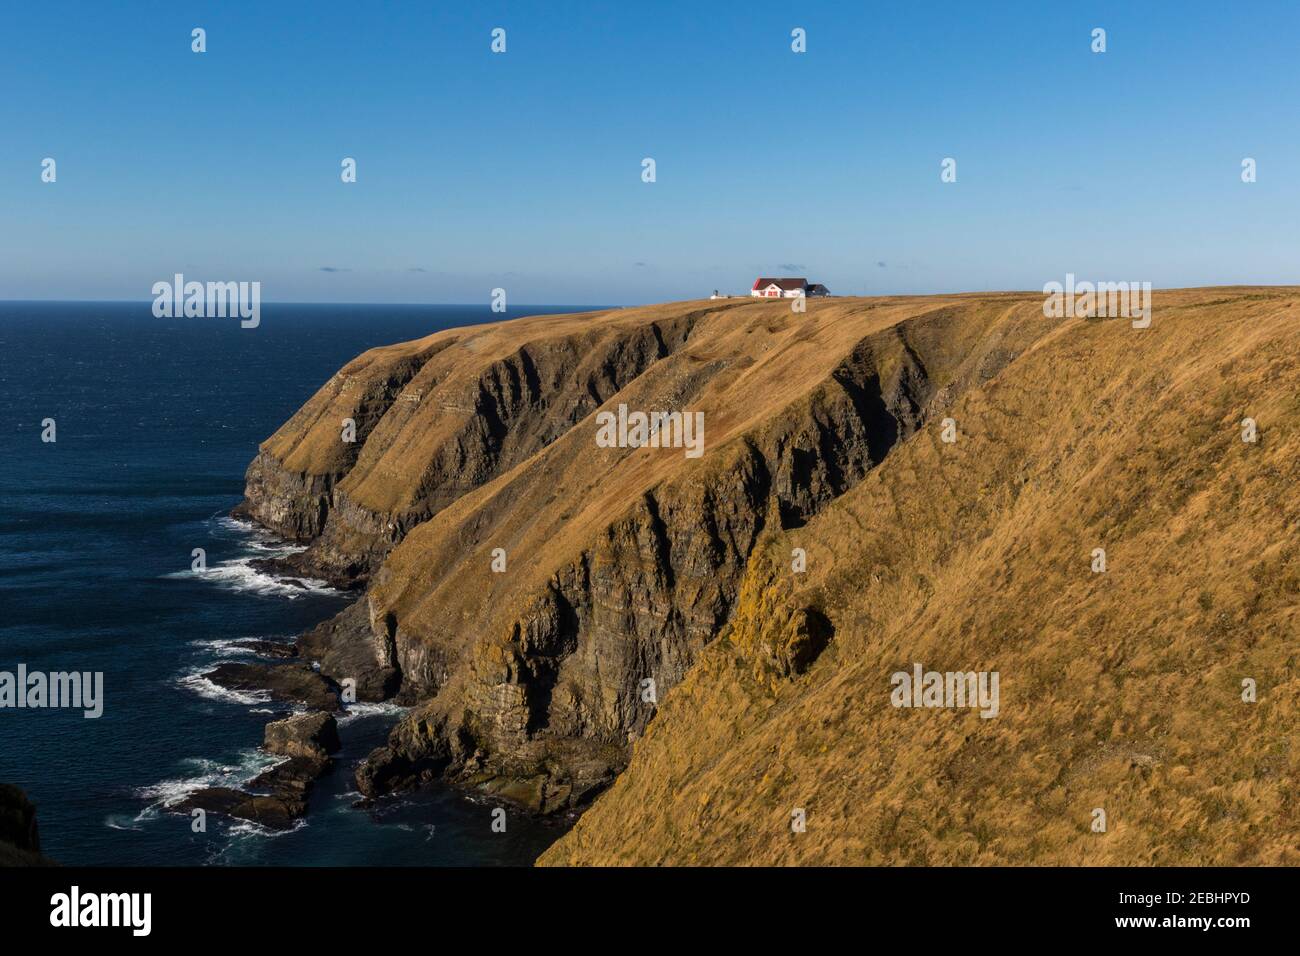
155, 422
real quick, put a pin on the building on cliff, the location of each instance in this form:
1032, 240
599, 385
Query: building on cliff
766, 288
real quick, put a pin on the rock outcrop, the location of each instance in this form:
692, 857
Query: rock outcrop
277, 797
20, 842
289, 683
314, 735
346, 648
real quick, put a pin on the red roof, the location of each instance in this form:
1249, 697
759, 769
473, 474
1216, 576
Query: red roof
785, 285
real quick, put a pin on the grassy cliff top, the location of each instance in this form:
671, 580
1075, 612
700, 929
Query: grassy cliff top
1120, 691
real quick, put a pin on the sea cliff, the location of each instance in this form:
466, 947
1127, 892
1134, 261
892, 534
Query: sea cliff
562, 615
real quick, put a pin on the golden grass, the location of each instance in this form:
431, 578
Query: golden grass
1119, 691
746, 363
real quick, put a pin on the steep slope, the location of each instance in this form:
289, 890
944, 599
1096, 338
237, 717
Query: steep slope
620, 563
1120, 690
436, 418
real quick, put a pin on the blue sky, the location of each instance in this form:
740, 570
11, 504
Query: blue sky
523, 170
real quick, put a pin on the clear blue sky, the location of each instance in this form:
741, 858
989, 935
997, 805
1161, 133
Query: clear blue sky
523, 170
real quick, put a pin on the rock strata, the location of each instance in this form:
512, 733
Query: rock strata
313, 735
535, 594
345, 647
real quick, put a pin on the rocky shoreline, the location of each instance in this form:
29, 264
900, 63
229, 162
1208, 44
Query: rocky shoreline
338, 656
277, 798
284, 682
296, 674
290, 568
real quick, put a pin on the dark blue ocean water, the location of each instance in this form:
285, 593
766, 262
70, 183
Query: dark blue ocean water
156, 421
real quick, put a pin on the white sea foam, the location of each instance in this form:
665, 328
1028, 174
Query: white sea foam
237, 574
224, 648
247, 828
256, 537
207, 773
200, 774
358, 710
196, 682
233, 646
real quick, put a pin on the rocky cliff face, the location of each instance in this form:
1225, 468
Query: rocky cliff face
290, 484
536, 594
433, 420
1158, 688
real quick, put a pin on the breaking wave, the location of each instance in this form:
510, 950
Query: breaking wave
206, 773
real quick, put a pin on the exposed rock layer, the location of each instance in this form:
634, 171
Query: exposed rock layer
314, 735
433, 420
621, 564
1161, 690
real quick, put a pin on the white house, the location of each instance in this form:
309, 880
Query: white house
765, 288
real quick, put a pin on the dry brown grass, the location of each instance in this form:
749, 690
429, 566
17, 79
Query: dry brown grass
1119, 690
745, 363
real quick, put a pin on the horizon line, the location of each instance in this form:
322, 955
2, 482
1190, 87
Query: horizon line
322, 302
609, 305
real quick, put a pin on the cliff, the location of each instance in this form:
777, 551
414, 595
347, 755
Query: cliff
565, 615
1121, 690
435, 419
20, 842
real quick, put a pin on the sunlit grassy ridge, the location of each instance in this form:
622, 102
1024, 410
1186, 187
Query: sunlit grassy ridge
1120, 691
